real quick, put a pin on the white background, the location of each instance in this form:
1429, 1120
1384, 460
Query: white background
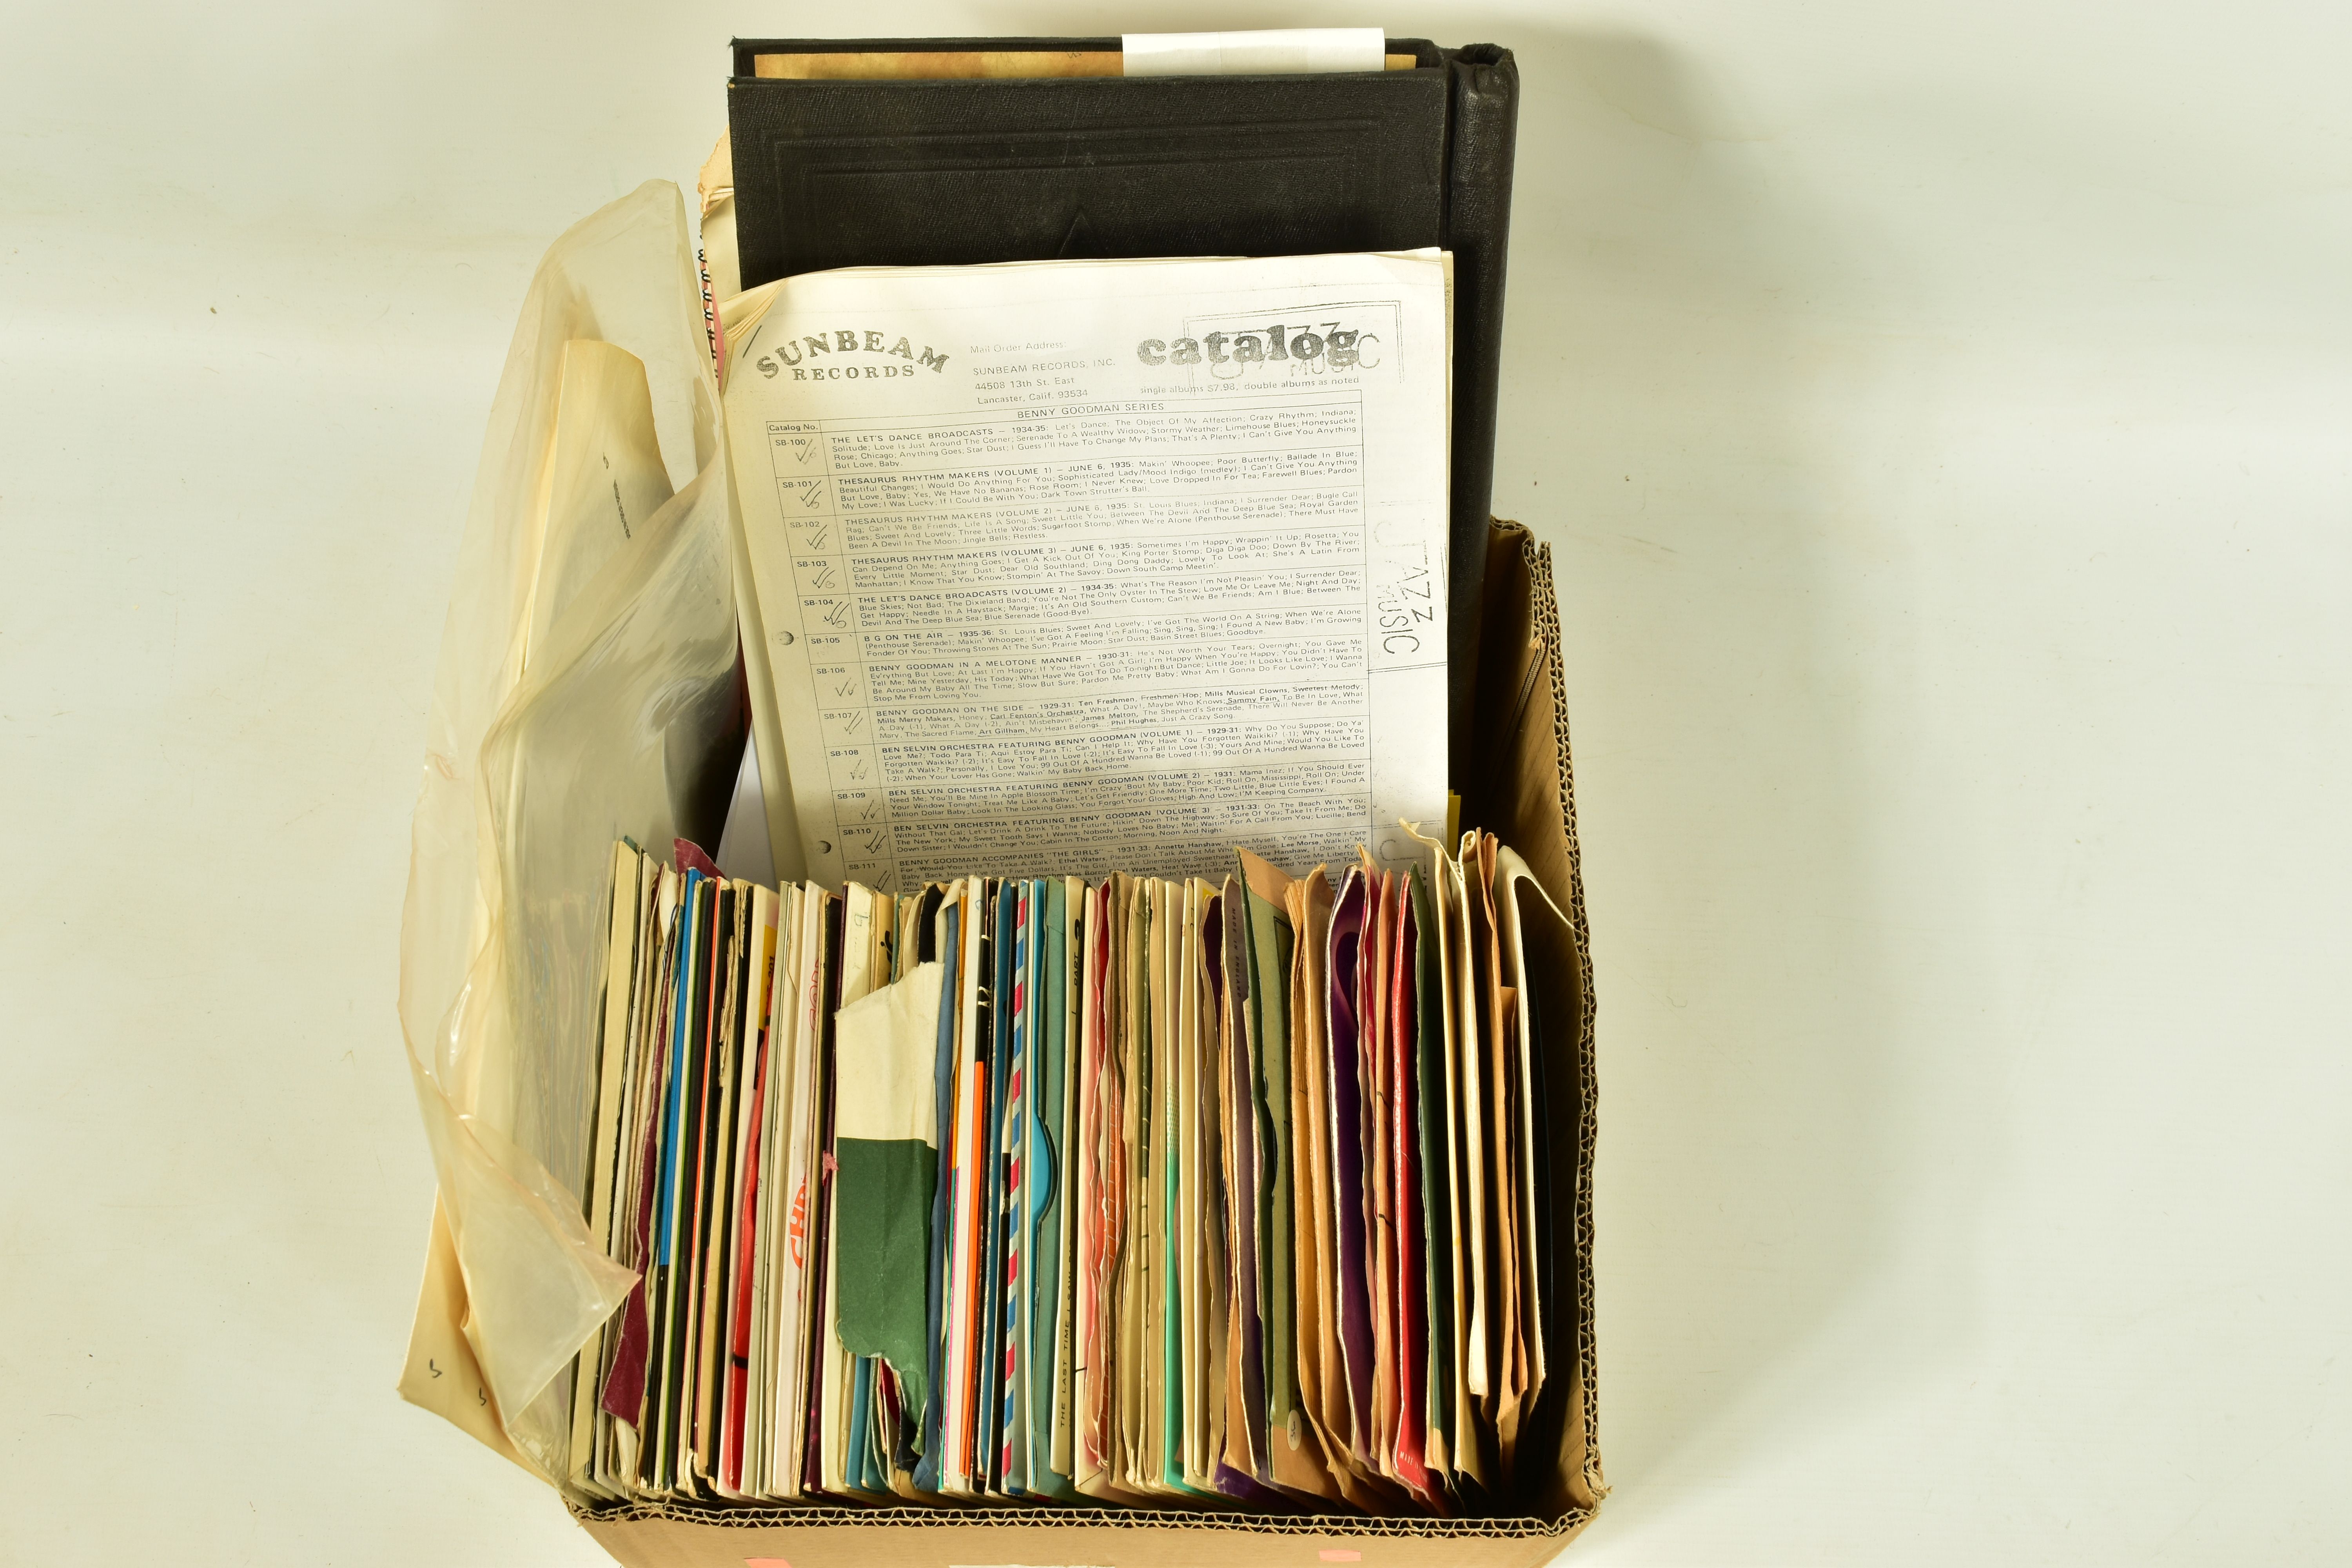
1940, 418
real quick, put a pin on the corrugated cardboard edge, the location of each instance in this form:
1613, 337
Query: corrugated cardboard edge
677, 1537
1527, 795
1513, 552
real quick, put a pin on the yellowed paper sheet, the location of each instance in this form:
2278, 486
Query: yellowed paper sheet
1314, 1252
441, 1375
1506, 1348
1152, 1464
1089, 1359
938, 64
1192, 1240
1470, 1380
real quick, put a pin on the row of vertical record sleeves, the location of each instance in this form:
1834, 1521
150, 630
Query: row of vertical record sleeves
1144, 1192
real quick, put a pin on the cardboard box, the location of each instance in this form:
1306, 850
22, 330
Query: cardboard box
1522, 790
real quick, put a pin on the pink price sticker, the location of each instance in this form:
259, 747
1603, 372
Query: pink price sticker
766, 1562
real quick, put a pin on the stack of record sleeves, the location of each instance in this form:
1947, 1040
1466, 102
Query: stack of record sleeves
1226, 1194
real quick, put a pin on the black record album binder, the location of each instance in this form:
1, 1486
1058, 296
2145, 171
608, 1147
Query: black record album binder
929, 172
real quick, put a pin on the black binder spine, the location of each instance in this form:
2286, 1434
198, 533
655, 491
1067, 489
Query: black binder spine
1478, 230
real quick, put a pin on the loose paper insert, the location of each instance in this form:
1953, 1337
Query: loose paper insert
1068, 567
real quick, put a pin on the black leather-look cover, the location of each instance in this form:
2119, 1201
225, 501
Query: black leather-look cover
892, 173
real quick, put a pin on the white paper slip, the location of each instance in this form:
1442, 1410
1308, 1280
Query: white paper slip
1273, 51
1065, 567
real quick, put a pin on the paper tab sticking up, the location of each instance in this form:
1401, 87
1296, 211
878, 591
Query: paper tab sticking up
1282, 51
743, 845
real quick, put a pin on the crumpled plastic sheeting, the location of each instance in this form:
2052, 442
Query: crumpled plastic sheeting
612, 728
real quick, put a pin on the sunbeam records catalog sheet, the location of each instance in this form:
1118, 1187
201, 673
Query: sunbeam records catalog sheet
1063, 567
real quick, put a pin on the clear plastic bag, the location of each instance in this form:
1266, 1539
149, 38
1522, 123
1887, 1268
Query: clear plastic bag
588, 688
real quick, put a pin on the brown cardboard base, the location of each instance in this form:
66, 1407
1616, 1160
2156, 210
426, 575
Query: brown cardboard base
920, 1538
